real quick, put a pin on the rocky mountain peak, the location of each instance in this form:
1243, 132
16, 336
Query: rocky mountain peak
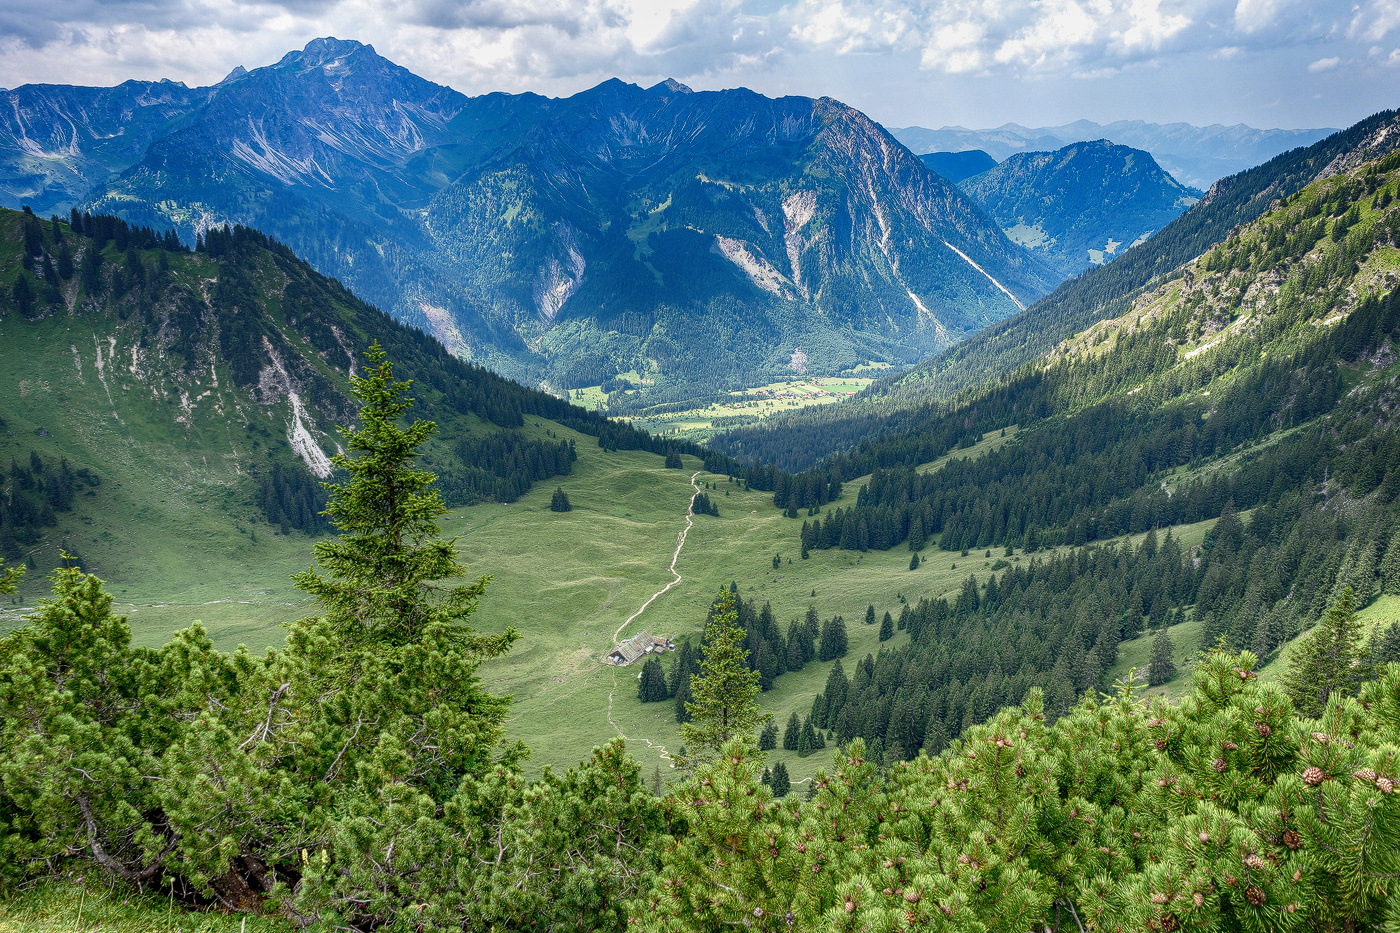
320, 53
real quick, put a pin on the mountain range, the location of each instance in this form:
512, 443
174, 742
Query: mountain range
1081, 205
1194, 155
558, 241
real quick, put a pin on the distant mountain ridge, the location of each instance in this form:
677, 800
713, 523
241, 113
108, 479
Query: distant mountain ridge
1081, 205
1194, 155
955, 166
563, 241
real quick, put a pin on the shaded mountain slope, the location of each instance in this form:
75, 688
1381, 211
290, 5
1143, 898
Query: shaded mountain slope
1081, 205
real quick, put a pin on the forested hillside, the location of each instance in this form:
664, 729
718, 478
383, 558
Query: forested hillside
1260, 380
223, 368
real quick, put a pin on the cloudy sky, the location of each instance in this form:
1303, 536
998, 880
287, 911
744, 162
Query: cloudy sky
977, 63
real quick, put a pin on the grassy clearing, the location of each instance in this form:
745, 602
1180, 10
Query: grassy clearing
71, 907
749, 406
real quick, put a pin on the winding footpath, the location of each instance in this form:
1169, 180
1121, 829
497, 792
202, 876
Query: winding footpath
680, 543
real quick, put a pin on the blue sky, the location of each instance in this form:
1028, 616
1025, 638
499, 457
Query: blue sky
977, 63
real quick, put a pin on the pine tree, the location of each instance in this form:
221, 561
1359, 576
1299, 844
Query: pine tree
1325, 661
725, 694
560, 501
1161, 668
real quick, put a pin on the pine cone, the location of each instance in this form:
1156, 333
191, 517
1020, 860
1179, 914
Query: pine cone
1161, 744
1219, 765
912, 896
1292, 839
1198, 899
1263, 728
1254, 862
1170, 924
1313, 776
1255, 896
1365, 774
1385, 785
1322, 737
1160, 898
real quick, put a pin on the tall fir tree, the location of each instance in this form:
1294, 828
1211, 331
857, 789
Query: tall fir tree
779, 781
1161, 668
651, 686
792, 734
833, 640
380, 581
1325, 662
768, 737
724, 703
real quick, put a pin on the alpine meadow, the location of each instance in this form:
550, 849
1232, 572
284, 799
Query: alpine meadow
691, 510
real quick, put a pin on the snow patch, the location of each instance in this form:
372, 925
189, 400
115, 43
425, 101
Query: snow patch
759, 270
968, 260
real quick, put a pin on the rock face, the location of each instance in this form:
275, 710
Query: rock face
696, 238
1081, 205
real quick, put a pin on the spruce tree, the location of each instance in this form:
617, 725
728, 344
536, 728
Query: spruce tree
651, 686
914, 561
1161, 668
725, 694
1325, 661
380, 579
560, 501
833, 640
768, 737
869, 615
792, 734
887, 627
779, 781
1390, 566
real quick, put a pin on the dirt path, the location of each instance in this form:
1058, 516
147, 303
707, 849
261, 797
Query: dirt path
680, 543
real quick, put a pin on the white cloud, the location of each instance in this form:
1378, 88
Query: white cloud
1324, 64
799, 46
